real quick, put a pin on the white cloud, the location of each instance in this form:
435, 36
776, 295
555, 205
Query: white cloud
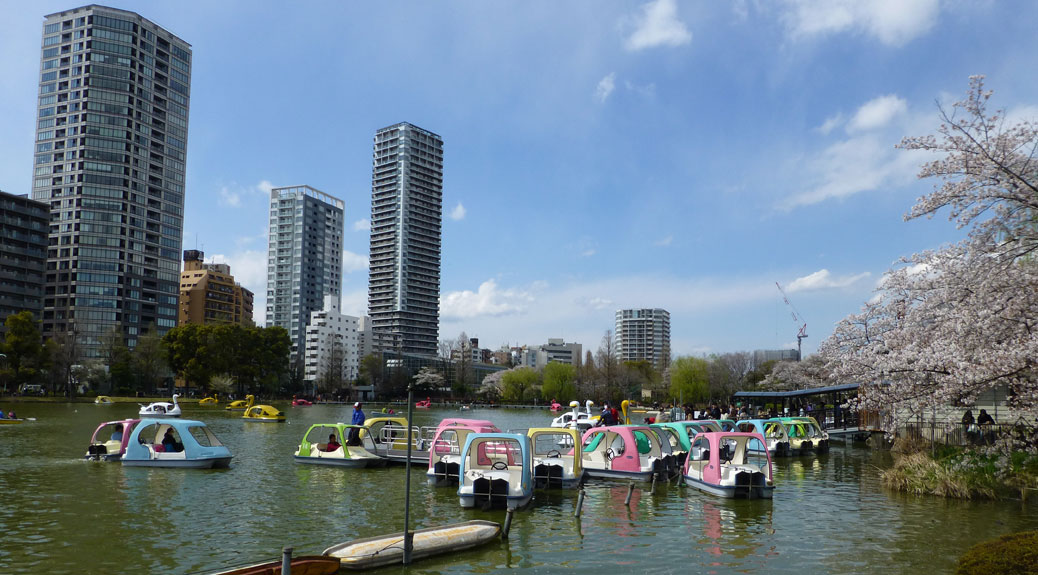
586, 247
831, 124
658, 25
231, 195
265, 186
665, 241
877, 113
352, 262
362, 225
488, 300
605, 87
458, 213
646, 91
893, 22
822, 279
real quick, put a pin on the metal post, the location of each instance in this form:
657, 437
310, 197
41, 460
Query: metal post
286, 561
652, 490
630, 491
408, 536
580, 502
508, 524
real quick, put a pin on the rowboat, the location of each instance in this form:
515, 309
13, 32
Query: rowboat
389, 549
303, 565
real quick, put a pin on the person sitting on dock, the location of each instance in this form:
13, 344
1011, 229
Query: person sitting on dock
333, 443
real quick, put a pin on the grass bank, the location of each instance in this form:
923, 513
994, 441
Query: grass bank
989, 472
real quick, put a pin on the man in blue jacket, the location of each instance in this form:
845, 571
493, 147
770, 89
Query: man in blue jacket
358, 419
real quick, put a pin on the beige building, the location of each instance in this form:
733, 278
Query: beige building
209, 294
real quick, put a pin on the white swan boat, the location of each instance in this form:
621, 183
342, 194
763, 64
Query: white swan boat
161, 409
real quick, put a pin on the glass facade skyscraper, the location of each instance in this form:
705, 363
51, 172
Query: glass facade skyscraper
406, 222
304, 258
112, 119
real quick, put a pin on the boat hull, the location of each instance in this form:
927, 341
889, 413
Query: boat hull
389, 549
305, 565
732, 491
207, 463
612, 474
353, 463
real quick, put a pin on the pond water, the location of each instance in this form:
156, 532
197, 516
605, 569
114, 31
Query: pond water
61, 514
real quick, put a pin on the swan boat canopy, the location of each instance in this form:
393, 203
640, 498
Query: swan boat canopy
261, 412
192, 445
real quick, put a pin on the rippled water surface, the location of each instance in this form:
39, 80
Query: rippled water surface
61, 514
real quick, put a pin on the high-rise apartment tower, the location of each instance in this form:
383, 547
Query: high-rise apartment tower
406, 214
304, 258
643, 334
111, 136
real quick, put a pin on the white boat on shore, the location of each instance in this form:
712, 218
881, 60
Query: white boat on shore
383, 550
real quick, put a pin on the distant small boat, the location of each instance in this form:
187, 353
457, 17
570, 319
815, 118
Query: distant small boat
211, 400
262, 412
103, 400
303, 565
161, 409
237, 405
300, 402
389, 549
424, 404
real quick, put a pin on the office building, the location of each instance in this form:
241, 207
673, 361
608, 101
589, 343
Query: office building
556, 350
209, 294
111, 136
406, 213
23, 255
762, 356
304, 258
643, 334
332, 357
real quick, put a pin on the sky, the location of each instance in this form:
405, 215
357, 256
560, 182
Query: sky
598, 154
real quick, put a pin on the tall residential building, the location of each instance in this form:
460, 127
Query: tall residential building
111, 136
23, 255
406, 214
643, 334
209, 294
332, 358
304, 258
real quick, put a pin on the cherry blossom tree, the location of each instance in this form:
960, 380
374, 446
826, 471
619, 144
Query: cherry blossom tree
949, 324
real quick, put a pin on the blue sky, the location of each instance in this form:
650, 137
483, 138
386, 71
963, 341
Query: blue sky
598, 154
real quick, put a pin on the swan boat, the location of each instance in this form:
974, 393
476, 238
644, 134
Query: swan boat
161, 409
261, 412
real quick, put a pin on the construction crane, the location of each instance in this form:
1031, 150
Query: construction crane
796, 317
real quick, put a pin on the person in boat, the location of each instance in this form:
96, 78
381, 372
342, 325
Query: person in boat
117, 435
11, 415
169, 442
2, 415
358, 419
333, 443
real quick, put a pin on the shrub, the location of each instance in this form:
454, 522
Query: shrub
1010, 554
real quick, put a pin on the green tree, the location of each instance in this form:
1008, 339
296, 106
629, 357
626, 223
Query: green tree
24, 349
517, 383
371, 371
689, 380
559, 382
149, 360
188, 353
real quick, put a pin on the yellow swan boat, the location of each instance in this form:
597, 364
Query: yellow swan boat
261, 412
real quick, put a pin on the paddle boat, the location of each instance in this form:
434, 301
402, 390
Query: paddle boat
555, 407
554, 461
7, 420
210, 400
805, 435
383, 550
175, 443
339, 444
728, 464
109, 441
238, 404
445, 448
300, 402
495, 471
424, 404
576, 419
390, 433
774, 433
678, 438
161, 409
261, 412
103, 400
623, 452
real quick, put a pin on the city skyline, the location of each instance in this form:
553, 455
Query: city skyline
603, 156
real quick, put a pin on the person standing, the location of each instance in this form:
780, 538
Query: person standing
358, 419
